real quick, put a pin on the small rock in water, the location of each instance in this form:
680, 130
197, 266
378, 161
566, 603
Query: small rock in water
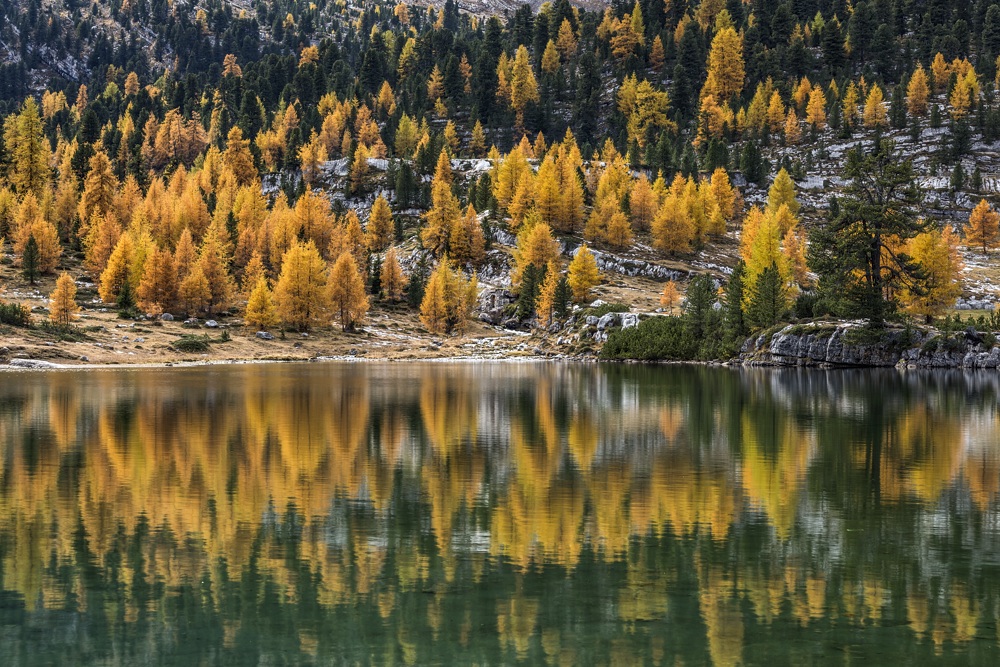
212, 324
265, 335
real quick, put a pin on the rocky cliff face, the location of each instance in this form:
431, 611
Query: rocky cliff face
847, 344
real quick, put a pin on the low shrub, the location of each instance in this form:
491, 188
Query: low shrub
655, 339
15, 314
192, 344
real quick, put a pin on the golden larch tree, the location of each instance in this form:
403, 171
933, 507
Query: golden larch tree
194, 291
535, 247
670, 296
467, 243
936, 251
260, 312
726, 71
381, 226
583, 274
63, 308
346, 292
157, 290
444, 211
546, 303
875, 114
116, 273
983, 228
917, 92
782, 191
642, 204
300, 294
523, 86
393, 279
816, 109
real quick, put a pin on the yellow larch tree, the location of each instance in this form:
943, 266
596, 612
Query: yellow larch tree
725, 65
917, 92
157, 290
793, 247
99, 188
535, 246
29, 222
571, 204
435, 84
618, 233
548, 196
346, 292
63, 308
27, 148
185, 254
566, 41
466, 241
793, 133
850, 105
381, 227
673, 226
545, 304
477, 144
642, 204
782, 191
816, 109
725, 195
449, 299
936, 251
444, 211
312, 154
260, 312
776, 112
657, 56
194, 292
238, 158
213, 260
550, 58
670, 296
523, 86
393, 279
940, 72
963, 95
983, 228
583, 274
116, 273
301, 295
875, 113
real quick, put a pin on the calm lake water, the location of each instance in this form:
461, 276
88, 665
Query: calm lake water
498, 513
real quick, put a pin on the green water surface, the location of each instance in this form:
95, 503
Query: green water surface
499, 513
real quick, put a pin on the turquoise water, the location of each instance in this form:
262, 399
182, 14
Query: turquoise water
498, 513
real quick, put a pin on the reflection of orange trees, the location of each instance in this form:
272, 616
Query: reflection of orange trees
723, 620
775, 455
684, 495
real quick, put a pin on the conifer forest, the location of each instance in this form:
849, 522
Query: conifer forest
657, 180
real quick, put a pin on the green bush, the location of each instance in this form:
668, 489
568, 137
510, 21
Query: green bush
192, 344
655, 339
15, 314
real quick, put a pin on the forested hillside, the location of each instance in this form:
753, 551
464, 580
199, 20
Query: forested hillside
298, 165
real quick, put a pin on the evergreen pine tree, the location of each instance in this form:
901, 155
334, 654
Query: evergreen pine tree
30, 260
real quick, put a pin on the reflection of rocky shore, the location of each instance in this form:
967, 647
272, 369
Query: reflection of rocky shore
341, 493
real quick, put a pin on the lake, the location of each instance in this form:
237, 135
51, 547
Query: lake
496, 513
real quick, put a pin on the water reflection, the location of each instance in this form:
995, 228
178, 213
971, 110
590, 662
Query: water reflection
494, 513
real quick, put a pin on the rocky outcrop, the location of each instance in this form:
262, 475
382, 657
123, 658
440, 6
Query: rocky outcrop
849, 344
